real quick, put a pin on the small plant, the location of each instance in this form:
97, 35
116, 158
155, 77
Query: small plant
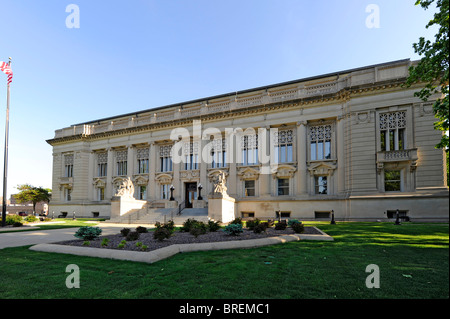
198, 229
138, 244
260, 228
141, 229
237, 220
124, 231
144, 247
86, 243
88, 232
298, 227
105, 242
252, 223
233, 229
293, 221
161, 234
134, 235
188, 223
281, 225
122, 244
170, 226
213, 226
31, 218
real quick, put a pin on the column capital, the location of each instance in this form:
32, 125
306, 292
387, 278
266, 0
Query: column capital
304, 123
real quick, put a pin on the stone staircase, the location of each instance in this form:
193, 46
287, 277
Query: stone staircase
149, 215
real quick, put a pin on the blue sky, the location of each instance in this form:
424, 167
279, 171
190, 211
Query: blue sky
133, 55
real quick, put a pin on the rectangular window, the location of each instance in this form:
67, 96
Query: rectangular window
249, 188
68, 194
392, 181
102, 160
142, 192
165, 158
322, 215
321, 185
249, 147
121, 168
68, 165
142, 166
165, 191
100, 193
284, 146
283, 186
190, 152
392, 131
121, 162
248, 214
320, 142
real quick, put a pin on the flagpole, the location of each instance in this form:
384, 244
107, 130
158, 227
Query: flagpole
5, 163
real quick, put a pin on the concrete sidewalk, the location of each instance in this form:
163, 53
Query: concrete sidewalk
34, 237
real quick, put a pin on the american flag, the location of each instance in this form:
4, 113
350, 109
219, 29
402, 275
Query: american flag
6, 68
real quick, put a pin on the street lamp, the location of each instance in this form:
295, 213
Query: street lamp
332, 218
397, 218
200, 187
171, 192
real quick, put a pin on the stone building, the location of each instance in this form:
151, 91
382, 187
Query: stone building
356, 143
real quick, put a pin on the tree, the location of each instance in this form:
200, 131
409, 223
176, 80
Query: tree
433, 68
32, 194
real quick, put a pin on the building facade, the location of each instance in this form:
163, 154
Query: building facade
355, 143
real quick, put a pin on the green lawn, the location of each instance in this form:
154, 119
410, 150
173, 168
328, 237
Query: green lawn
412, 258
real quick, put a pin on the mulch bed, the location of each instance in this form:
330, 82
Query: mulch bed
182, 238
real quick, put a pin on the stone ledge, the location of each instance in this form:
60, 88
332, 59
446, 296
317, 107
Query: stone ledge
166, 252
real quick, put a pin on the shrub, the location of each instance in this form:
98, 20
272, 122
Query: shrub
125, 231
198, 228
17, 224
105, 242
88, 232
86, 243
141, 229
293, 221
233, 229
281, 225
213, 226
161, 234
237, 220
170, 226
31, 219
298, 227
260, 228
252, 223
134, 235
188, 223
11, 219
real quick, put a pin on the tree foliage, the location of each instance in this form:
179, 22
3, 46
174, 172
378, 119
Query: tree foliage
32, 194
433, 68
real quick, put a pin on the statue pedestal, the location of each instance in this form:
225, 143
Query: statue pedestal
221, 208
171, 204
120, 205
198, 203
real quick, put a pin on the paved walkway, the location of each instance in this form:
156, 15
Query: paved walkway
25, 238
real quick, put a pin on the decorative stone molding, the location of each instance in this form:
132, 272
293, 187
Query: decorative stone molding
212, 174
397, 157
65, 182
164, 178
322, 169
248, 173
189, 175
283, 171
141, 179
99, 182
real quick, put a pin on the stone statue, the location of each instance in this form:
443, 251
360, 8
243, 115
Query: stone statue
126, 189
219, 184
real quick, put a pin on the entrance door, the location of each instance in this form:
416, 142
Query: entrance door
191, 194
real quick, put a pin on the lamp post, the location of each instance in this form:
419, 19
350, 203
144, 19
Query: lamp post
397, 218
332, 218
171, 192
200, 187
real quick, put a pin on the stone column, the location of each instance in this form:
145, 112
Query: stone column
265, 176
109, 174
153, 187
131, 161
91, 174
340, 154
302, 171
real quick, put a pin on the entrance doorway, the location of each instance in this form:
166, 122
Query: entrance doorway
190, 193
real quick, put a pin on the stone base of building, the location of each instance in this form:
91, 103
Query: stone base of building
414, 207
